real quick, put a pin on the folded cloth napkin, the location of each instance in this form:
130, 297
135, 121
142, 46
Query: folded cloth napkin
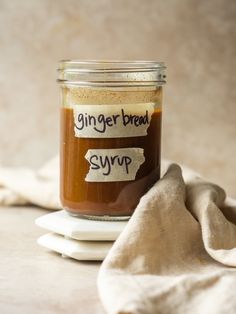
176, 254
21, 186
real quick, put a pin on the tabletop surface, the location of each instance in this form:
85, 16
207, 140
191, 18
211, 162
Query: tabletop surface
34, 280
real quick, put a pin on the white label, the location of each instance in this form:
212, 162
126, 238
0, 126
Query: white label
111, 165
112, 121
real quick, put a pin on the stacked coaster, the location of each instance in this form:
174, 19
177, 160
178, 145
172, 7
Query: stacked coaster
81, 239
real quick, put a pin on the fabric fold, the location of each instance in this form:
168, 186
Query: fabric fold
22, 186
173, 254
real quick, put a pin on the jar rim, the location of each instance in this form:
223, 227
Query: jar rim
113, 65
111, 72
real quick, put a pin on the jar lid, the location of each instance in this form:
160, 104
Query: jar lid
111, 73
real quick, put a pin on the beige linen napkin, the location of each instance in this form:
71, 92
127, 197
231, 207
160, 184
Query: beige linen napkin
20, 186
177, 253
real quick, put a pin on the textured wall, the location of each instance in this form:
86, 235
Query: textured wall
196, 39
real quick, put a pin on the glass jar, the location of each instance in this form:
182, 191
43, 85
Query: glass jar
110, 135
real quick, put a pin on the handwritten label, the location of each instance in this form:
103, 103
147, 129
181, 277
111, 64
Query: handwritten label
111, 165
110, 121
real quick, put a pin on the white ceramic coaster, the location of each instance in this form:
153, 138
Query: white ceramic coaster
81, 229
79, 250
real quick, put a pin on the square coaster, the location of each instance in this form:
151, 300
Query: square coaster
80, 229
79, 250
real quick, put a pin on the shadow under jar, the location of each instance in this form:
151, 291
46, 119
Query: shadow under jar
110, 135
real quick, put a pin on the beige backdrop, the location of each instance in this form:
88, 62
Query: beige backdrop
196, 39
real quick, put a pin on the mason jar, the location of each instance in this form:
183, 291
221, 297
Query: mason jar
110, 142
